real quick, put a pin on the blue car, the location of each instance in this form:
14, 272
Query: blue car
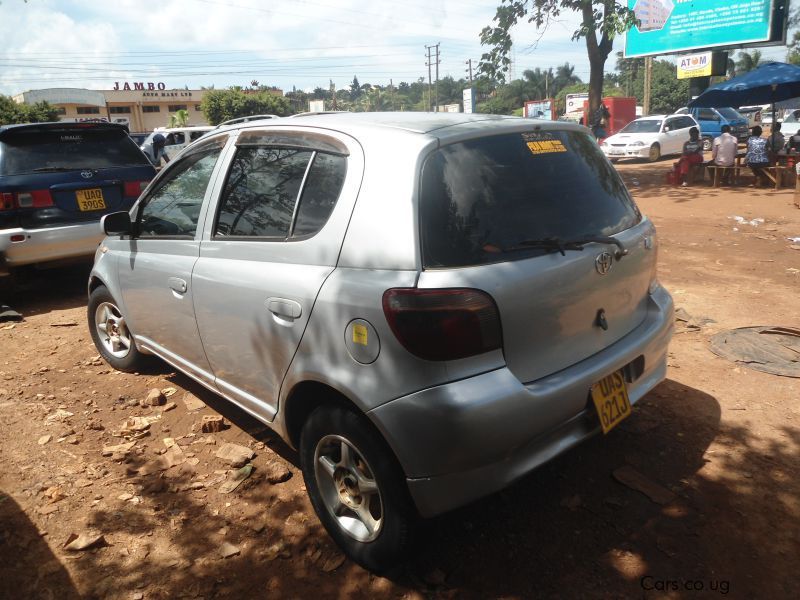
56, 181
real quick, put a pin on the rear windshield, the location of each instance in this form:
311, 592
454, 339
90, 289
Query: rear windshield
482, 200
646, 126
729, 113
29, 151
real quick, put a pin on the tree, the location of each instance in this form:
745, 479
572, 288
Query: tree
355, 89
221, 105
601, 22
747, 61
12, 112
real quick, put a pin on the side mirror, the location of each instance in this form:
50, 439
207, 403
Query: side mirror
117, 223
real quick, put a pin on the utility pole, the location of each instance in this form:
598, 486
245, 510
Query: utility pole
436, 103
469, 70
648, 82
428, 48
333, 94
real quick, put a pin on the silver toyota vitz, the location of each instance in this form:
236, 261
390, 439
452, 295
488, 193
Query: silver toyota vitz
426, 306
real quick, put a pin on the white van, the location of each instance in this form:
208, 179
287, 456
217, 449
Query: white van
177, 139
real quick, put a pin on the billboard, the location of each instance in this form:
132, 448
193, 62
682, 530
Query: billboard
671, 26
469, 100
539, 109
574, 102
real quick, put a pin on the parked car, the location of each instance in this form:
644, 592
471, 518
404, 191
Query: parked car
425, 325
56, 181
791, 123
649, 137
754, 115
711, 121
177, 138
138, 138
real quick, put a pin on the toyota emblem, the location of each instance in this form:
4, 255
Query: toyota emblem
603, 262
87, 174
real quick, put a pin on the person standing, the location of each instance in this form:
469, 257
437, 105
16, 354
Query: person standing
757, 157
600, 121
692, 155
723, 152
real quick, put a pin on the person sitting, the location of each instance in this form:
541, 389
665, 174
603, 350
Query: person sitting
757, 157
692, 155
793, 143
723, 153
775, 141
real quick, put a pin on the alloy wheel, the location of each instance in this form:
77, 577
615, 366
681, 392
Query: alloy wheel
348, 488
112, 330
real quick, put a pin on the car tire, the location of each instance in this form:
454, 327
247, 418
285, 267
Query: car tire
706, 144
655, 153
357, 488
110, 333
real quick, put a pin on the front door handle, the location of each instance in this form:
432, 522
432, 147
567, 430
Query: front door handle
288, 309
177, 284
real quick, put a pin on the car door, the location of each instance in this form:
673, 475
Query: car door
175, 142
155, 271
272, 240
672, 140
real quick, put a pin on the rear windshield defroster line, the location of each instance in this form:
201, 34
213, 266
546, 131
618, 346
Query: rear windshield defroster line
483, 196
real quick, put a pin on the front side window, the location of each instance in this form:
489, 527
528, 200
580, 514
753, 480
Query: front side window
173, 208
264, 187
492, 199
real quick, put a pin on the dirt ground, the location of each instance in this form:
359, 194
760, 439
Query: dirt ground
716, 445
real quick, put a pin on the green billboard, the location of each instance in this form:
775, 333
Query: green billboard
671, 26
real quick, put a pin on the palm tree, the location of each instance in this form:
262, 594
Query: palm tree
179, 119
747, 61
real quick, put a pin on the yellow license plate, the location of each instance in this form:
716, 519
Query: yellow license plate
610, 396
90, 199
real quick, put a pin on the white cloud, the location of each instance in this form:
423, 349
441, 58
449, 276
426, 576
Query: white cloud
302, 43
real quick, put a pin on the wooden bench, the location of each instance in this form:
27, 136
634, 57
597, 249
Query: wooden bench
696, 173
718, 170
777, 174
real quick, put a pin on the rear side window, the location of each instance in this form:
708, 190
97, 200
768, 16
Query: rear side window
279, 193
37, 151
484, 200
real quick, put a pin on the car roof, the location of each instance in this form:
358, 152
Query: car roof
443, 126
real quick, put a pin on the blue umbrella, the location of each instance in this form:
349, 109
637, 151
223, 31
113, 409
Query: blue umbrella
767, 84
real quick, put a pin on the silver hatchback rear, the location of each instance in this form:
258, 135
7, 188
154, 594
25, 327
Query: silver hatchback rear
426, 306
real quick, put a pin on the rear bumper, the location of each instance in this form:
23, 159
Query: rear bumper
464, 440
47, 244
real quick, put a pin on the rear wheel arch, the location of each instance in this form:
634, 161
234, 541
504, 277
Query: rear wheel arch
304, 398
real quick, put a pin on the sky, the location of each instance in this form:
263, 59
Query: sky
300, 44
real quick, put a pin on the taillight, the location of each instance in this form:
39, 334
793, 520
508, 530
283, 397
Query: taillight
443, 324
134, 188
32, 199
7, 201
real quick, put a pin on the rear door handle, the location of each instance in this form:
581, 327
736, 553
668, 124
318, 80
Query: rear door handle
288, 309
178, 284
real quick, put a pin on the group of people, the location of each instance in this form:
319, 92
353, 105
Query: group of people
760, 152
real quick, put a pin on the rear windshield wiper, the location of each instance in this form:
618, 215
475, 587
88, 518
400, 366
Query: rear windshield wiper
53, 169
557, 244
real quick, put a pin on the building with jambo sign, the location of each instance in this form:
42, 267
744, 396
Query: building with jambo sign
142, 106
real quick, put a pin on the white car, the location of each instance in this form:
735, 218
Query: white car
650, 137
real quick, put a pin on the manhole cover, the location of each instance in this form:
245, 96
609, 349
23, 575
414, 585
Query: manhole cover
774, 350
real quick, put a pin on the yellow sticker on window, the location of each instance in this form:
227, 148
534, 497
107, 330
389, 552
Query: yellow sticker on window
360, 335
546, 146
